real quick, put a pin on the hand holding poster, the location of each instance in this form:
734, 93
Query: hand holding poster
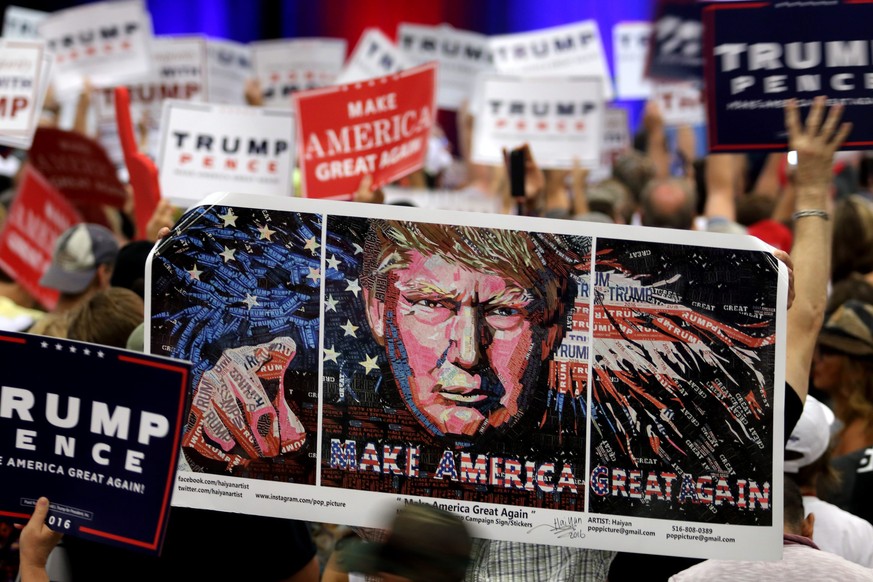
616, 388
209, 148
570, 50
284, 67
107, 462
461, 56
561, 119
25, 70
108, 42
755, 63
374, 56
377, 128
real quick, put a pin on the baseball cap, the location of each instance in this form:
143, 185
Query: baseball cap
811, 436
77, 254
425, 544
849, 329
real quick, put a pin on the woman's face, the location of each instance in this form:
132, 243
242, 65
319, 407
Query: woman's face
827, 368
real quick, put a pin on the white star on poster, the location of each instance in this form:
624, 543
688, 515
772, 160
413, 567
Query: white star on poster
250, 300
311, 245
195, 272
330, 355
330, 304
349, 328
229, 218
72, 349
86, 351
44, 344
369, 364
333, 263
314, 274
353, 286
227, 254
266, 233
358, 249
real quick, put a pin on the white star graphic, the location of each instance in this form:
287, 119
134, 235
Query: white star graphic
72, 349
369, 364
59, 347
44, 344
227, 254
250, 300
311, 245
330, 304
195, 272
358, 249
314, 274
349, 328
266, 233
333, 263
100, 354
353, 286
86, 351
229, 218
330, 355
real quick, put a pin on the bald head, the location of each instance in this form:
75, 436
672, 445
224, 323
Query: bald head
668, 203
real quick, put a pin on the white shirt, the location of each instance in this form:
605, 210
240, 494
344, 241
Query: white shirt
840, 532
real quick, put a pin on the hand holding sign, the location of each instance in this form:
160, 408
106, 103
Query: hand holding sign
234, 418
37, 542
815, 143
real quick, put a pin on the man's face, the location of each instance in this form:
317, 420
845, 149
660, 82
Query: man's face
466, 350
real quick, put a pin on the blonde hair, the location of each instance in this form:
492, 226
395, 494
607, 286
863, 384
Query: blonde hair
107, 317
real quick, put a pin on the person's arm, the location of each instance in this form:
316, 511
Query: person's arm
720, 179
815, 143
656, 140
36, 543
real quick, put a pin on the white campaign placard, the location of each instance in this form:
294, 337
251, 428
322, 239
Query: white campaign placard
680, 103
572, 49
25, 69
286, 66
461, 55
560, 118
374, 56
209, 148
22, 23
108, 42
616, 140
630, 45
229, 65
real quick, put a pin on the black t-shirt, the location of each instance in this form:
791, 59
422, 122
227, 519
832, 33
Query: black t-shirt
202, 545
793, 410
855, 493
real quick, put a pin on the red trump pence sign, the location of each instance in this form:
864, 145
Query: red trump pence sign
378, 127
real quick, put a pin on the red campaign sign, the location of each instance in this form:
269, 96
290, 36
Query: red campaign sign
78, 167
378, 127
38, 216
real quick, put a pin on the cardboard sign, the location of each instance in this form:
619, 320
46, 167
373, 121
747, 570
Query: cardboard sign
616, 140
25, 69
37, 217
96, 430
78, 167
561, 119
676, 50
755, 63
571, 50
229, 65
108, 42
284, 67
374, 56
209, 148
630, 45
379, 128
461, 56
331, 345
680, 103
22, 23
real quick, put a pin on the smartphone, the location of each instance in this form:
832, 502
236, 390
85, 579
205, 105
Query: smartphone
516, 172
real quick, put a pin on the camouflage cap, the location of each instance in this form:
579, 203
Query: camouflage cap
849, 329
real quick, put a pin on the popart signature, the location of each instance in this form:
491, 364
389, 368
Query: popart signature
565, 527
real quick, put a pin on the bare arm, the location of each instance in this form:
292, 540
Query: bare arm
815, 143
720, 177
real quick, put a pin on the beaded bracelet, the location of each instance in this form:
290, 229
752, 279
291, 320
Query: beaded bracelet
805, 213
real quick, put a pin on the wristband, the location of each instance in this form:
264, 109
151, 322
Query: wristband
817, 213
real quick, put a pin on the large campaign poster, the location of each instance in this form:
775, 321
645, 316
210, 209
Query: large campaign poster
755, 63
551, 382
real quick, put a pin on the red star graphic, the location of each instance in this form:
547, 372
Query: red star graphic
274, 77
561, 125
522, 124
125, 44
107, 48
580, 125
73, 55
60, 58
90, 50
309, 75
542, 125
500, 123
